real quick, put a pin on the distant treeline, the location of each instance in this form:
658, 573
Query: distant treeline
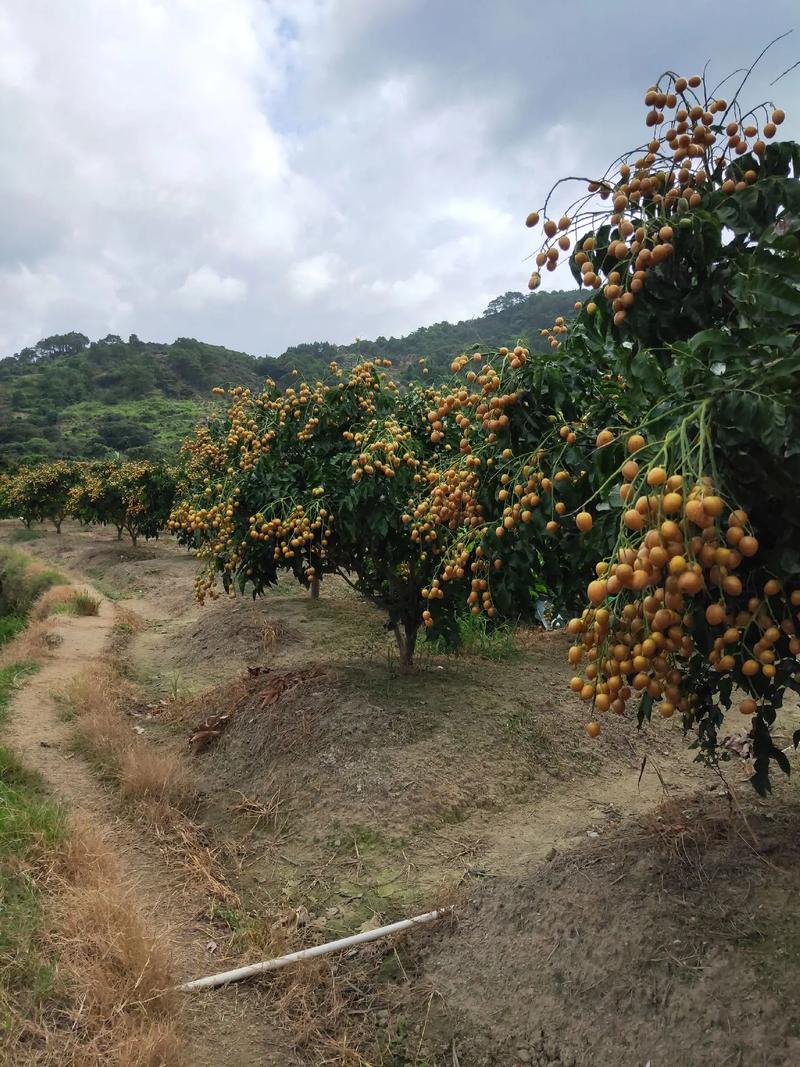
69, 397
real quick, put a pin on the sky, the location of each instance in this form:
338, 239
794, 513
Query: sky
260, 173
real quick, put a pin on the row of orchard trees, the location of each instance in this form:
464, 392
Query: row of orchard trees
136, 498
645, 472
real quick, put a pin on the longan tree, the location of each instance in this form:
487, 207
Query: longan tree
312, 480
40, 493
407, 496
689, 247
136, 497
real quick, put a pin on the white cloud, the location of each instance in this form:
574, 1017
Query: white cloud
310, 278
264, 172
204, 286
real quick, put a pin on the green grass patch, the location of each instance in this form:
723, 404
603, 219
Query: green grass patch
479, 636
10, 626
30, 826
24, 535
21, 583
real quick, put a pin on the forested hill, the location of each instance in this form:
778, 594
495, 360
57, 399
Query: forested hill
69, 397
509, 318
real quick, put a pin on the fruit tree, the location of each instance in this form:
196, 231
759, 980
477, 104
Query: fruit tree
689, 248
136, 497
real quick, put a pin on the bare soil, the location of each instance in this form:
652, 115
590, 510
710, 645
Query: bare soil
616, 902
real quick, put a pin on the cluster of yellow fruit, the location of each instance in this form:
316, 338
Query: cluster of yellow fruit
638, 633
462, 562
560, 326
382, 444
685, 160
470, 407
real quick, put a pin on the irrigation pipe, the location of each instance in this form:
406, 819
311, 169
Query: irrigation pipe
236, 975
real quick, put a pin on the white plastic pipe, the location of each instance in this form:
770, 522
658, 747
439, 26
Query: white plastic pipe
236, 975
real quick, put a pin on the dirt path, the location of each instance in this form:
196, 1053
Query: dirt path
222, 1028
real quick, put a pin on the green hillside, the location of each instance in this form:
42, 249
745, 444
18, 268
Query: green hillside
72, 398
67, 397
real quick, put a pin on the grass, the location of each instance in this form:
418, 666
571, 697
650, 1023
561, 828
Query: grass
31, 827
152, 780
10, 679
23, 535
83, 978
10, 626
110, 592
65, 600
479, 636
83, 603
22, 581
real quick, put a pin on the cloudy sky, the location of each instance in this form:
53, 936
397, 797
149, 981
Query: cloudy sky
259, 173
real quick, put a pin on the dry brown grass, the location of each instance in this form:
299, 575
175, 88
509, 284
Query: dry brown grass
102, 942
149, 778
50, 599
156, 775
115, 1004
130, 619
152, 781
99, 686
35, 643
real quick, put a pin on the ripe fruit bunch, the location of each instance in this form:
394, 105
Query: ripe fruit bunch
700, 146
683, 587
690, 247
684, 611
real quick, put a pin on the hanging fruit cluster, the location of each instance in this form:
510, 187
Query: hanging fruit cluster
683, 583
694, 137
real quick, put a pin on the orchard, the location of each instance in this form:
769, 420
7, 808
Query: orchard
646, 465
135, 497
40, 493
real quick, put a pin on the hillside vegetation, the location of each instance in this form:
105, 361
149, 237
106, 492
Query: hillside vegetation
67, 397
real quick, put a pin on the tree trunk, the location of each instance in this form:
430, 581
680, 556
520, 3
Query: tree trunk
28, 523
405, 633
119, 532
57, 524
314, 588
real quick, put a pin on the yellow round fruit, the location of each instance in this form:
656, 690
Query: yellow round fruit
584, 521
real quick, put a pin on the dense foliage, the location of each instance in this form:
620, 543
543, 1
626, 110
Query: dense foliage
39, 493
339, 477
134, 497
69, 398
